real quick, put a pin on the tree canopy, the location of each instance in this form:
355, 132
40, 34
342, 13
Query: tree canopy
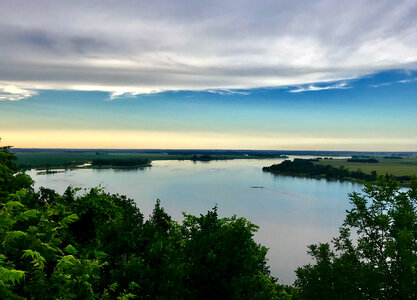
95, 245
375, 254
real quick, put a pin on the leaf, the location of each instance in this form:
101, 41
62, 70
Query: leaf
100, 254
71, 250
38, 260
133, 285
24, 216
113, 286
66, 262
6, 221
12, 276
14, 204
70, 219
14, 235
18, 195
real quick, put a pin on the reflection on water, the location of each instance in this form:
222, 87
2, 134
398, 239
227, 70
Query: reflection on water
291, 212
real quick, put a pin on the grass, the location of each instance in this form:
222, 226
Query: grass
397, 167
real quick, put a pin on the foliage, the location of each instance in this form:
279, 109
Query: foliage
129, 162
307, 167
380, 260
363, 160
96, 245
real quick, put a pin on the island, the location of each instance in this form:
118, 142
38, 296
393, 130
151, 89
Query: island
317, 168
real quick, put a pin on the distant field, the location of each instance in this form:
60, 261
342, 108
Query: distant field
62, 159
397, 167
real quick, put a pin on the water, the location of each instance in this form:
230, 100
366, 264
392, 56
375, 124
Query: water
291, 212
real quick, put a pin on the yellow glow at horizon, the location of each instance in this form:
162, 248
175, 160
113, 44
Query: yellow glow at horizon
96, 139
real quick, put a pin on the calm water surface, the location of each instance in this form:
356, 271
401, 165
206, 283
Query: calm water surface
291, 212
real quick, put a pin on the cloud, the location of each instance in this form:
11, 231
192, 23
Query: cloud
311, 88
138, 47
407, 80
229, 92
381, 84
13, 93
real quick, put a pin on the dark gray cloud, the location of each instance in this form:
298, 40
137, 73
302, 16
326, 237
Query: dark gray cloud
149, 46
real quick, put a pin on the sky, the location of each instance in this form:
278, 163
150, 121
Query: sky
283, 75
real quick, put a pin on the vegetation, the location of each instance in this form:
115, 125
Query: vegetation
407, 166
363, 160
204, 157
379, 261
309, 168
98, 246
123, 163
68, 159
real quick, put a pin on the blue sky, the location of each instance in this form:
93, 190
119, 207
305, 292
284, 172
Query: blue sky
376, 112
313, 75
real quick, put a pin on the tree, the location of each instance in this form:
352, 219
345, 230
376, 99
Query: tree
95, 245
11, 180
380, 260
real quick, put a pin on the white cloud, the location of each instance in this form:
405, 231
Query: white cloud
312, 88
13, 93
229, 92
381, 84
407, 80
139, 47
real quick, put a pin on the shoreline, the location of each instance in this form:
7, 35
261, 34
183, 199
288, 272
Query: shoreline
319, 177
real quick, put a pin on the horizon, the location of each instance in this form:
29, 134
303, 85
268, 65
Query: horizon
208, 150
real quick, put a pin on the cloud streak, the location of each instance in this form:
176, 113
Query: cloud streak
313, 88
140, 47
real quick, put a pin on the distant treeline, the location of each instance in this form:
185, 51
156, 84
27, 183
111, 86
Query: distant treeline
131, 162
202, 158
306, 167
363, 160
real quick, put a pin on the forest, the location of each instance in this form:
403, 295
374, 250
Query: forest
96, 245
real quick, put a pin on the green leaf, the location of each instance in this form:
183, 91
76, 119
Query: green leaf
100, 254
14, 204
71, 250
38, 260
14, 235
24, 216
66, 262
12, 276
133, 285
70, 219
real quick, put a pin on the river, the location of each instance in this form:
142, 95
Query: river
292, 212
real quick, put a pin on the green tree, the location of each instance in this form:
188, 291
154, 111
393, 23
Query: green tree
95, 245
224, 262
11, 180
378, 261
